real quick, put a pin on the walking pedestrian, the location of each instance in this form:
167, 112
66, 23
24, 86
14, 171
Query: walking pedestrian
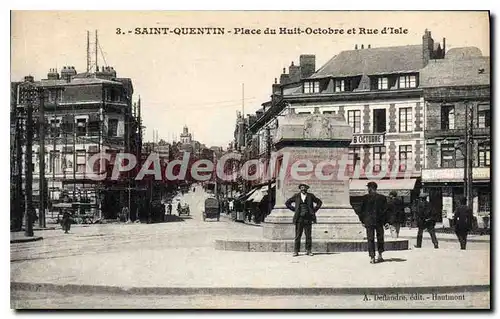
170, 208
463, 222
373, 215
66, 221
426, 219
396, 213
305, 207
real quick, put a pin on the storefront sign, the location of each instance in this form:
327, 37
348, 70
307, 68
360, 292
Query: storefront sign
454, 174
368, 139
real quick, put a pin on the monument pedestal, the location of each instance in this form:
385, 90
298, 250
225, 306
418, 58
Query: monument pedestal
320, 140
332, 224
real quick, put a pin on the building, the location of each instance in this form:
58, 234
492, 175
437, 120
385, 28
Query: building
377, 91
85, 114
460, 81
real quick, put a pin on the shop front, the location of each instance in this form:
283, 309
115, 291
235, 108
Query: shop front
446, 187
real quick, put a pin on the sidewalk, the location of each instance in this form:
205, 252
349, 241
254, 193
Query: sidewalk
20, 237
171, 270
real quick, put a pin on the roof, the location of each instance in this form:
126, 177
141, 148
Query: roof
370, 61
76, 81
457, 70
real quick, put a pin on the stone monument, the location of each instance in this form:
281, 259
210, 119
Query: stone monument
323, 140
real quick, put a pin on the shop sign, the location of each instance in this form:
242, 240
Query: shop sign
454, 174
368, 139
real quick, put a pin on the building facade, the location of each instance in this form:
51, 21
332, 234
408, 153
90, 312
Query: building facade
378, 92
451, 86
85, 114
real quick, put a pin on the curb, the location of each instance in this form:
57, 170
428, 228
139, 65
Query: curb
85, 289
469, 240
26, 239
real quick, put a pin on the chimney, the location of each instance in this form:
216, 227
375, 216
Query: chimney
53, 75
276, 87
356, 47
307, 65
284, 78
29, 78
427, 47
294, 72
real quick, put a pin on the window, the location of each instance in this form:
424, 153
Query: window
484, 200
81, 127
340, 85
112, 127
55, 128
451, 156
54, 162
383, 83
81, 161
354, 119
484, 154
353, 157
311, 87
405, 156
448, 117
407, 81
405, 119
328, 112
379, 121
304, 113
378, 156
483, 118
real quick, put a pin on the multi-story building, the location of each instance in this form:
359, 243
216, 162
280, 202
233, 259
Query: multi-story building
377, 91
85, 114
451, 85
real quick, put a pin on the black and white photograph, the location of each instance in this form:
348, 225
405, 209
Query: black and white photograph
250, 160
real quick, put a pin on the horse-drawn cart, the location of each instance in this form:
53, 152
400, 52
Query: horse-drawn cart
212, 209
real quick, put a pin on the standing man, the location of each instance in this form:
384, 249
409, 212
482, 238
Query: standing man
305, 215
396, 213
463, 222
373, 216
169, 208
425, 220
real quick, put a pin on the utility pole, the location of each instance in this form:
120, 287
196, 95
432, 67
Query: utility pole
28, 159
269, 182
74, 155
41, 154
469, 162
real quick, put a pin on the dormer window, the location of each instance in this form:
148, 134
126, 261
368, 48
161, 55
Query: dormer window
407, 81
311, 87
340, 85
383, 83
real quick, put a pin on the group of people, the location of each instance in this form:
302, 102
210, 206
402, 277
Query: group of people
377, 213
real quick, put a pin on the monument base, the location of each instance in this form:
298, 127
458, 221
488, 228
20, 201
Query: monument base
332, 224
318, 246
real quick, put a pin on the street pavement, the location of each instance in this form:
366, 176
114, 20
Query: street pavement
179, 256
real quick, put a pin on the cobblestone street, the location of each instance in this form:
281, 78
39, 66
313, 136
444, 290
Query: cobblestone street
181, 255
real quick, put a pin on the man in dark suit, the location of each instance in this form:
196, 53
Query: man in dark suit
426, 219
395, 213
373, 216
305, 215
463, 222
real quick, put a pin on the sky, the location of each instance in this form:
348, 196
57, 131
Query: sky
196, 80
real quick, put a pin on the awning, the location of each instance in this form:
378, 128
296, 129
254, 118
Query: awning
259, 193
357, 187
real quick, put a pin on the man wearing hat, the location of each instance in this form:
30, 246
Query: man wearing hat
373, 216
303, 204
426, 219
